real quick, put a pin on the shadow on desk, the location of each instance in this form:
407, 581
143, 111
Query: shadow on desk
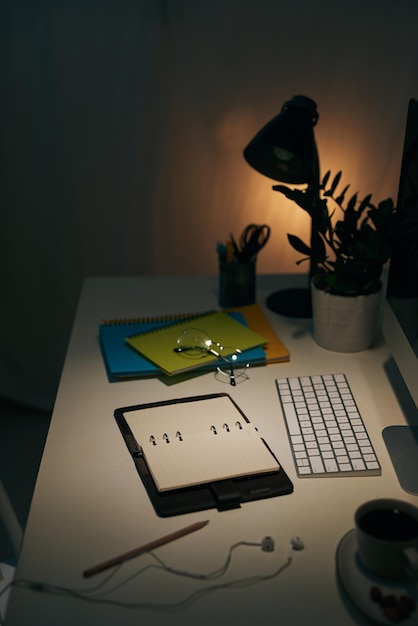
23, 433
301, 327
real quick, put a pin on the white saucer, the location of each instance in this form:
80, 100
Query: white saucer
357, 583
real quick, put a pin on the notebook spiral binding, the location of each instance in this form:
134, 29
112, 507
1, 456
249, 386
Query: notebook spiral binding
177, 317
179, 436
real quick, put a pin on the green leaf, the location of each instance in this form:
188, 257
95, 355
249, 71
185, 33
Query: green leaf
299, 245
335, 182
300, 261
340, 199
364, 204
301, 197
286, 191
351, 205
325, 180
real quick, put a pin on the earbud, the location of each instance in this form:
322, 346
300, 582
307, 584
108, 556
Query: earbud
267, 544
297, 543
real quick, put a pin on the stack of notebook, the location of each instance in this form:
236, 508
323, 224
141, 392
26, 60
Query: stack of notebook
145, 347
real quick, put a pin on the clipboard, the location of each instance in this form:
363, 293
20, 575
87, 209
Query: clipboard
224, 494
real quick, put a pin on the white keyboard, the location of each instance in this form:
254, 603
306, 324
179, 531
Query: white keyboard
326, 432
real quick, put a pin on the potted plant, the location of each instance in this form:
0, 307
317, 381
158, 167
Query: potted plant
352, 243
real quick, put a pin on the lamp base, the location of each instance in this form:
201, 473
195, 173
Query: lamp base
291, 302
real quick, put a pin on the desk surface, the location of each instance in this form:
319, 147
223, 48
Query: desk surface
89, 503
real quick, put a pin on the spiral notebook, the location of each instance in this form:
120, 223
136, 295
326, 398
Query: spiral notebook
123, 362
159, 346
200, 452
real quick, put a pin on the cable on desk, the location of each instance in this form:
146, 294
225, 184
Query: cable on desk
98, 593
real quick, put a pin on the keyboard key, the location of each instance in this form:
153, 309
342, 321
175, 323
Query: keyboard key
291, 419
331, 465
317, 465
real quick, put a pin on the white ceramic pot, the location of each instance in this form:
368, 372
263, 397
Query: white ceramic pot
344, 323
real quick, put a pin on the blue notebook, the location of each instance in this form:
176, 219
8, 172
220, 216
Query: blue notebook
123, 362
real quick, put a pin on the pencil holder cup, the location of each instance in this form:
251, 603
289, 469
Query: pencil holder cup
236, 283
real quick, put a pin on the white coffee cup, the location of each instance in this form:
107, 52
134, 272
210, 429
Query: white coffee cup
387, 537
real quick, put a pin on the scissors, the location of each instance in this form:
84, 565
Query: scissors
253, 238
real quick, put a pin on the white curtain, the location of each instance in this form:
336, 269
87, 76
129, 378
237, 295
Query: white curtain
122, 129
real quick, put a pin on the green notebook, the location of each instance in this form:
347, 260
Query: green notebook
159, 345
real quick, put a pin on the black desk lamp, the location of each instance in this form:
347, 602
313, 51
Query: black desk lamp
285, 150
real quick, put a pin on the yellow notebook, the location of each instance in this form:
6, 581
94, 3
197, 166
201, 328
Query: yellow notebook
275, 349
159, 346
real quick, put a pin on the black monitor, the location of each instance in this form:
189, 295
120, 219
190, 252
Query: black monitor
400, 318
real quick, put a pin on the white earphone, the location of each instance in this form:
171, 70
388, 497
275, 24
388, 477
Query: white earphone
297, 543
267, 545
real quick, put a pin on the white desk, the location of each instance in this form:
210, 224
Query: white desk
90, 504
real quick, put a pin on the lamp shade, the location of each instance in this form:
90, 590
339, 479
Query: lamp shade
284, 149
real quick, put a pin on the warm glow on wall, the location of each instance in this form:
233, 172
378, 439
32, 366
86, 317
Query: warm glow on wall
265, 205
212, 186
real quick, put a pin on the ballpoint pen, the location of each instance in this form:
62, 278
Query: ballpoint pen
152, 545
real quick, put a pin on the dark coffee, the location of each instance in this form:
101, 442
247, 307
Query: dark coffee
390, 525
